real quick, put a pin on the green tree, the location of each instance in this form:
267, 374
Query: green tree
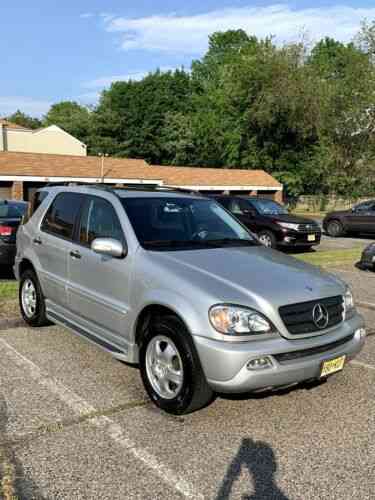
24, 120
71, 117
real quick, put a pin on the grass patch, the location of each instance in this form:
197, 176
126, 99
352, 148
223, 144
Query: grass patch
8, 290
332, 257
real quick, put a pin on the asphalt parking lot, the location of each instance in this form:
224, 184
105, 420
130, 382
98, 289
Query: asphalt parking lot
75, 423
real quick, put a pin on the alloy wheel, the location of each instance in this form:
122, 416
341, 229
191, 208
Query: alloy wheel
164, 367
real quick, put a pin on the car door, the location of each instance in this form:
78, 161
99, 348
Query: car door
53, 243
98, 290
369, 219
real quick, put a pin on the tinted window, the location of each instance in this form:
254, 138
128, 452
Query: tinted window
62, 214
268, 207
99, 220
235, 207
364, 207
12, 210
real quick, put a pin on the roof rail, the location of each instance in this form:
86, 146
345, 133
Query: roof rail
124, 187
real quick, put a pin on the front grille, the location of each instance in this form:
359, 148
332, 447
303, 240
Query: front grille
308, 228
290, 356
298, 318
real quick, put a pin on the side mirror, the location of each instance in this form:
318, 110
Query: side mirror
109, 247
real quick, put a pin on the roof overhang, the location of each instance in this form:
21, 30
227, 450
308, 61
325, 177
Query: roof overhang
106, 180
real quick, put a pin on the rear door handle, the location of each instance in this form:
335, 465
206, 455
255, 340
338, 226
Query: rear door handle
75, 254
37, 241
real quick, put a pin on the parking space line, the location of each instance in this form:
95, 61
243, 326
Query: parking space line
114, 430
363, 365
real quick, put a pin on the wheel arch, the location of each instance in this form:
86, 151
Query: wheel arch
149, 312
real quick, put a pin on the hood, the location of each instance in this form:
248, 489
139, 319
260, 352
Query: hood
293, 219
252, 274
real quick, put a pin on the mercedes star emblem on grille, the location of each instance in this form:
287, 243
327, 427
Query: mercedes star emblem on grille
320, 316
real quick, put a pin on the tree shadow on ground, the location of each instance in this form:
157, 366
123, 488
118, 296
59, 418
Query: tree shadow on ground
13, 482
259, 459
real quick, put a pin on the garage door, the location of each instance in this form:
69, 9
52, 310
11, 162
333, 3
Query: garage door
5, 192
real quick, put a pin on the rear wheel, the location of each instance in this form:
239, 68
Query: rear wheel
335, 228
31, 300
170, 368
267, 239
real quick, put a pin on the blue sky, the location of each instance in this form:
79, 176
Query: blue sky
55, 50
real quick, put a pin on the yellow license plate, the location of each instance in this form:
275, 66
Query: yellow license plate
311, 237
332, 366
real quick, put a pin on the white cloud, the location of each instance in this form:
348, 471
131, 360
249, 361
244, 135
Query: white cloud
86, 15
33, 107
189, 34
106, 81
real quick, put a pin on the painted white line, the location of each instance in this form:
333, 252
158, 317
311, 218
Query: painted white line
363, 365
81, 407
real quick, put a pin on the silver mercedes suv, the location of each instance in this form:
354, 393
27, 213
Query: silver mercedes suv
173, 282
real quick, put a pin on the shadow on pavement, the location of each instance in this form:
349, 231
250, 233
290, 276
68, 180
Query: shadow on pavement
259, 459
13, 483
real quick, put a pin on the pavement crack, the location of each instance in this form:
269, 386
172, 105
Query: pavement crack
61, 425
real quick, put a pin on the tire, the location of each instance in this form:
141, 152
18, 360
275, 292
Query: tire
187, 392
267, 239
31, 300
335, 228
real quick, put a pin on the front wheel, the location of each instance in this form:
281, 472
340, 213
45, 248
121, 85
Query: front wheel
267, 239
31, 300
170, 368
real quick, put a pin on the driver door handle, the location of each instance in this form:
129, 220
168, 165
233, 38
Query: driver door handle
75, 254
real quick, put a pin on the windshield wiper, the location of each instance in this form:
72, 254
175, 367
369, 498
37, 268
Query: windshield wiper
233, 241
165, 244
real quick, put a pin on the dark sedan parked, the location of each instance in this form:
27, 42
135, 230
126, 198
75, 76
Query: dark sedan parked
11, 213
357, 220
271, 221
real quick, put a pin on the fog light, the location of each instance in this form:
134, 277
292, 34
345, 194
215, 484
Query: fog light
259, 363
289, 239
361, 332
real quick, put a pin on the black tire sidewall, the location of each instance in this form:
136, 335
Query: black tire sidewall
39, 317
191, 367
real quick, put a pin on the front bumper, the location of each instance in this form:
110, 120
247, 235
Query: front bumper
291, 238
293, 361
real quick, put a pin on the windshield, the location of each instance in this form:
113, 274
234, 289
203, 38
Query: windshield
269, 207
12, 210
181, 223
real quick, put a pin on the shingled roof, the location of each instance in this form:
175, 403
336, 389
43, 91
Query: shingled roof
65, 166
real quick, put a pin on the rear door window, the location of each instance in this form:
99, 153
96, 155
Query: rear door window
62, 214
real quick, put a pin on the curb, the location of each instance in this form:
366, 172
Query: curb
6, 324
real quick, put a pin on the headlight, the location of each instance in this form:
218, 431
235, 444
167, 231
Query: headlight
349, 306
288, 225
232, 320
